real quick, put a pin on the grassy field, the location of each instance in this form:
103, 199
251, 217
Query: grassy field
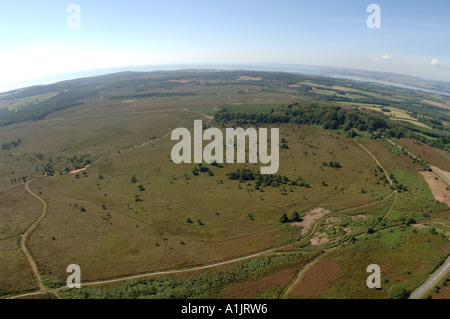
133, 211
147, 233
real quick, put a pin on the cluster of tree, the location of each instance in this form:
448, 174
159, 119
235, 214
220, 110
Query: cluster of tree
15, 180
427, 136
295, 217
265, 180
202, 169
38, 111
331, 117
189, 221
7, 146
48, 168
397, 186
336, 117
79, 161
332, 164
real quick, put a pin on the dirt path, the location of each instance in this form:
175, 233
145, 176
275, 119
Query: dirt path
24, 237
209, 117
291, 286
159, 273
376, 160
304, 269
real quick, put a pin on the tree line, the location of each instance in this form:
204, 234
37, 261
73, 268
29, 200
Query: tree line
332, 117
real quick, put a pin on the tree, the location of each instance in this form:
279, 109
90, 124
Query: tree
133, 179
284, 219
189, 221
295, 217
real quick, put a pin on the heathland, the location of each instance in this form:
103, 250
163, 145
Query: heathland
86, 178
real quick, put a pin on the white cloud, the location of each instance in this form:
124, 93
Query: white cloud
383, 58
435, 63
438, 65
386, 58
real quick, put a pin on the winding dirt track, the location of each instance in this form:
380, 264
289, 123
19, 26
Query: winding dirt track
376, 160
24, 237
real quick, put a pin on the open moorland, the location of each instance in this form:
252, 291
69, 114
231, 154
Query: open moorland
86, 178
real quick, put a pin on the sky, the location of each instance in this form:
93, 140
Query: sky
43, 38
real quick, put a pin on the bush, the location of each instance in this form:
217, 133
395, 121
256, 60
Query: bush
397, 292
295, 217
284, 219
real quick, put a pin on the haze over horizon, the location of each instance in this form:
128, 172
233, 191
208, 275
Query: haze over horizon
41, 40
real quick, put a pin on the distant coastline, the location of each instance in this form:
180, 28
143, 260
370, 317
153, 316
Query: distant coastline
269, 67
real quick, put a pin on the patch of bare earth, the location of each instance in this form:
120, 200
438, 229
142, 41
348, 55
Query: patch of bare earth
319, 239
363, 217
310, 218
438, 187
333, 219
442, 172
317, 280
